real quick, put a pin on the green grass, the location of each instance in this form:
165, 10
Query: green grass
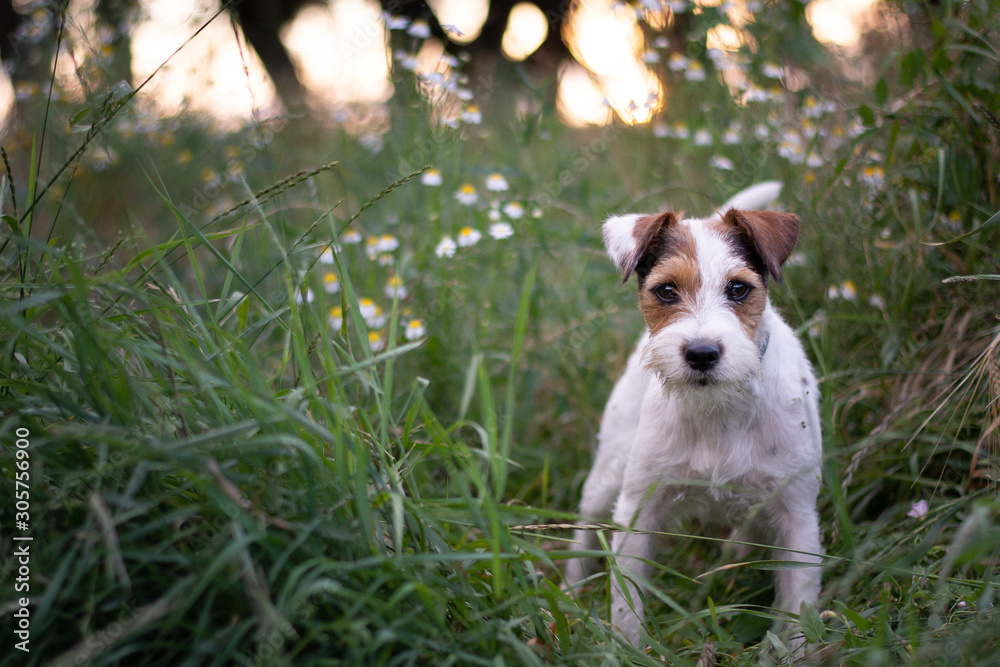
220, 476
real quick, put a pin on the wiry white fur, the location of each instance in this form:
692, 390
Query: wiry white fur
749, 440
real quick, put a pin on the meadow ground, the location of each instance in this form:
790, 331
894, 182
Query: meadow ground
295, 395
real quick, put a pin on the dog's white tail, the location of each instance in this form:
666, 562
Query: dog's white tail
755, 197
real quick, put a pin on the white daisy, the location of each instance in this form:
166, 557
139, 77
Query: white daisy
397, 22
721, 162
495, 182
304, 296
431, 177
387, 243
420, 29
335, 319
873, 176
513, 210
366, 307
771, 70
433, 78
415, 329
695, 71
466, 195
755, 94
446, 248
396, 288
331, 284
377, 319
472, 115
501, 231
375, 341
848, 290
407, 61
467, 237
811, 108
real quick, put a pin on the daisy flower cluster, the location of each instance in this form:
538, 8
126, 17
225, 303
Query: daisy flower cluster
803, 129
477, 211
380, 250
493, 212
441, 82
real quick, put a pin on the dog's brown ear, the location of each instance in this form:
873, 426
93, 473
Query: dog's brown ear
630, 238
772, 235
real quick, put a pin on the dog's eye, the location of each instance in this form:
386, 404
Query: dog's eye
737, 290
667, 293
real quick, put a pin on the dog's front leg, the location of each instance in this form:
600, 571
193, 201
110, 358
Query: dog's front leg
633, 551
796, 525
603, 485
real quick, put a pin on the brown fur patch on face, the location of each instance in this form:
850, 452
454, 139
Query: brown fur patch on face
750, 309
648, 232
669, 239
764, 238
676, 265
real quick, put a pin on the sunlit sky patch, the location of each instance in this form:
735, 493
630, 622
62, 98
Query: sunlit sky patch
467, 16
607, 40
341, 53
837, 21
207, 76
525, 32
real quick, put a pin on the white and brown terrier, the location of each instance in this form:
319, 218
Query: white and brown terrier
717, 414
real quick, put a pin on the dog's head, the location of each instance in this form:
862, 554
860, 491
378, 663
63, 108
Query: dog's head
703, 289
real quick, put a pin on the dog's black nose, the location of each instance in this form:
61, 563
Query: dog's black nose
702, 356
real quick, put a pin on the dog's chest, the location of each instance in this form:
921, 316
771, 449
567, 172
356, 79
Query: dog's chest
714, 471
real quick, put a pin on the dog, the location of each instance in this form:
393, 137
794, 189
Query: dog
716, 416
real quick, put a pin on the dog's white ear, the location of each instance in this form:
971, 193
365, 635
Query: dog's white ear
629, 238
772, 235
